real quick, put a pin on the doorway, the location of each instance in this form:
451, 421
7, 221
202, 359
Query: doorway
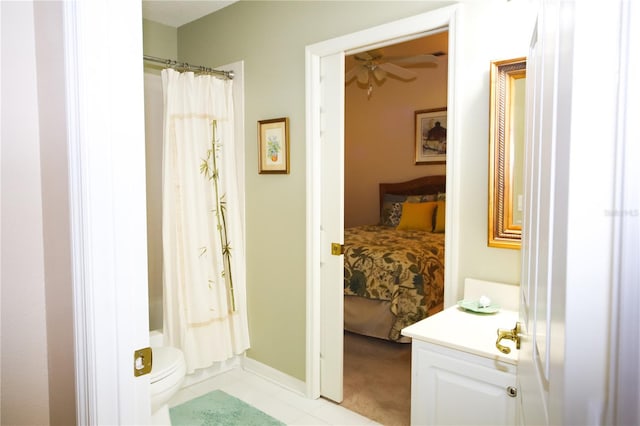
325, 184
380, 115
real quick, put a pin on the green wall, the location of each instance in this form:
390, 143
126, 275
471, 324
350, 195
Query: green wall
158, 40
270, 37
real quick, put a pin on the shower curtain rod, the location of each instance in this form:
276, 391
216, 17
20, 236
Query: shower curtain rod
174, 64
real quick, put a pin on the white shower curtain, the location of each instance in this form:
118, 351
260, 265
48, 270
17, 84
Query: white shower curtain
203, 241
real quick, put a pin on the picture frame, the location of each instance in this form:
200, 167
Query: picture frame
431, 136
273, 146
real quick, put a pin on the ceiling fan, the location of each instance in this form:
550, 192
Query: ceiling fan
373, 64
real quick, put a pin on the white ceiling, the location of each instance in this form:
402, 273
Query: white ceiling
179, 12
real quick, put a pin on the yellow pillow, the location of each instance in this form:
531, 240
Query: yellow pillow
441, 210
417, 216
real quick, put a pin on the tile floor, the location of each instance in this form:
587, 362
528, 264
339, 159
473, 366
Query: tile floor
280, 403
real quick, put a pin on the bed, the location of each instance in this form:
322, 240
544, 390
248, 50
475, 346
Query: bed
394, 271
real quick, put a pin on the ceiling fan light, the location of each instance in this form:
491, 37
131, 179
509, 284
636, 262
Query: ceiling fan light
379, 74
363, 76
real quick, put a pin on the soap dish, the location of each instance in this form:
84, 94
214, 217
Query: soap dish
474, 306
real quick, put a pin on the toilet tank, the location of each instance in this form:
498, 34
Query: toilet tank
156, 338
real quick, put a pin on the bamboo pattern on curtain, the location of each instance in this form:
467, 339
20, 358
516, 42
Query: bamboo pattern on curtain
209, 168
203, 241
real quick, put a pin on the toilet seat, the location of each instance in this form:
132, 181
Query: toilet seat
168, 369
166, 360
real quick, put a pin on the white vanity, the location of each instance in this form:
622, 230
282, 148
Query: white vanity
458, 376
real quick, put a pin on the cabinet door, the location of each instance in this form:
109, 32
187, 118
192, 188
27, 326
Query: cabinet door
456, 388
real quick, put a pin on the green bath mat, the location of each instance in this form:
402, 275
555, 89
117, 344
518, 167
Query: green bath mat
219, 409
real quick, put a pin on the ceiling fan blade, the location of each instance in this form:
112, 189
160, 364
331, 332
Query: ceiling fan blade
399, 72
352, 73
368, 56
417, 59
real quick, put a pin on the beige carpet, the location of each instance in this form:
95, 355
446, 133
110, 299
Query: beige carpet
377, 379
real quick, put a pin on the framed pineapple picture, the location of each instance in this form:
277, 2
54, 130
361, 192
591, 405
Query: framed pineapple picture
273, 146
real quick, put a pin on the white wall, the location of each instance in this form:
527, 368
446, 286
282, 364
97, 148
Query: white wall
25, 395
38, 370
55, 211
160, 41
492, 30
153, 111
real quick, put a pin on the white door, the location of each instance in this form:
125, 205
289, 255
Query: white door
105, 112
571, 239
332, 225
533, 373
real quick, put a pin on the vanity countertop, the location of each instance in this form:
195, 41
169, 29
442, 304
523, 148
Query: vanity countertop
467, 331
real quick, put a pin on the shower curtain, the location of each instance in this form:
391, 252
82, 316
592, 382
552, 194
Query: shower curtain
203, 242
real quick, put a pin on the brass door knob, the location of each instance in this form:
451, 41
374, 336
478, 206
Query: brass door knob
513, 335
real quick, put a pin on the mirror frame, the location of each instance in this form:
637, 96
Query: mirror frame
503, 232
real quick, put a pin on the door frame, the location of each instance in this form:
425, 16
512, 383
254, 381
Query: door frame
391, 33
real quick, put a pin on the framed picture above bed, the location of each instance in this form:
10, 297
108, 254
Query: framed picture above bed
431, 136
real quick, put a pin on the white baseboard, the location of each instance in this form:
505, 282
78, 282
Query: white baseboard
252, 366
275, 376
216, 369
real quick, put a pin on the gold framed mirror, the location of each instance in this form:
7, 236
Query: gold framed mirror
506, 152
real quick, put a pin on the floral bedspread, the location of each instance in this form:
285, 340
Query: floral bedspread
404, 267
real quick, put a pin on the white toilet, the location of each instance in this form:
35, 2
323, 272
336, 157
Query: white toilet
167, 374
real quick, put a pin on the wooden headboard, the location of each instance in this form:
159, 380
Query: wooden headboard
419, 186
